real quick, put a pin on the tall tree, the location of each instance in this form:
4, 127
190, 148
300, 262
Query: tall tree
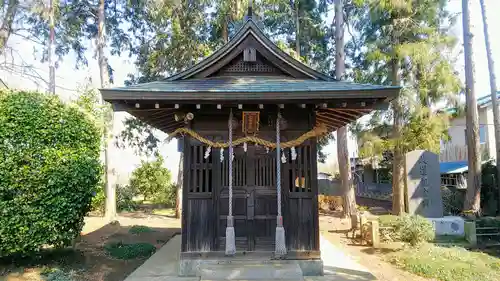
110, 206
51, 58
224, 19
303, 19
394, 37
8, 18
493, 87
473, 198
349, 202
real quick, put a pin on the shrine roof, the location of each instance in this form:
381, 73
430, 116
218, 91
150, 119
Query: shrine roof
248, 88
249, 69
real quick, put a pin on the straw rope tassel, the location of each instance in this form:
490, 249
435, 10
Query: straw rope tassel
280, 231
230, 239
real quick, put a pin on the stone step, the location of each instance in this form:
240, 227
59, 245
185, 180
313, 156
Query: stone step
263, 271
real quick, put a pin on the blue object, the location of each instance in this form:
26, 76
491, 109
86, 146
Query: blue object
453, 167
482, 134
180, 144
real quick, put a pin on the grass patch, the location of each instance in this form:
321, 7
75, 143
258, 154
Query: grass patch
447, 263
450, 239
138, 229
124, 251
388, 220
168, 212
55, 274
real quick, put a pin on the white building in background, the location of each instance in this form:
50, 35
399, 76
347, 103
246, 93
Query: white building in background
453, 155
456, 148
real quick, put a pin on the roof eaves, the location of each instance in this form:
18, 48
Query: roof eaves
140, 94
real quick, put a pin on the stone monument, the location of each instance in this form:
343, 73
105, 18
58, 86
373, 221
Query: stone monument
423, 184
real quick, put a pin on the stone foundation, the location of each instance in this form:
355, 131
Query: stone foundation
194, 267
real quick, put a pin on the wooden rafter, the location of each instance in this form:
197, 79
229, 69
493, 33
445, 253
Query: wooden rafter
351, 113
328, 123
363, 110
161, 117
335, 117
331, 120
341, 115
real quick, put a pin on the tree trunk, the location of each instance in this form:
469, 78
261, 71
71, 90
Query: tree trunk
51, 47
110, 191
493, 87
297, 30
225, 31
398, 189
180, 178
472, 201
349, 199
8, 19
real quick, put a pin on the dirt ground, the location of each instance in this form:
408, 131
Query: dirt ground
335, 229
89, 260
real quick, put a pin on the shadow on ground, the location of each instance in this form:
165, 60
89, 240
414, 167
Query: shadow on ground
383, 251
331, 213
150, 210
88, 260
344, 274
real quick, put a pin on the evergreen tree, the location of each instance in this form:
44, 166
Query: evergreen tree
404, 44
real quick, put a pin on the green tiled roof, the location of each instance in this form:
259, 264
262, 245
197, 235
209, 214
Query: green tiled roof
219, 87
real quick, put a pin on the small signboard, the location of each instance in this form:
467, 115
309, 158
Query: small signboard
251, 120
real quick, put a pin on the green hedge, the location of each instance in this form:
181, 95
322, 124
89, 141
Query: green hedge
49, 170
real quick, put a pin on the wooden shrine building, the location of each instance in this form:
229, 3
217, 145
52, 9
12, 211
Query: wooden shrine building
270, 99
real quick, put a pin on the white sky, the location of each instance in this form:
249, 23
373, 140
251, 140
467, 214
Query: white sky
124, 161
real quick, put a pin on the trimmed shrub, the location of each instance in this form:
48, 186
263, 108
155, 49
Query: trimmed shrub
411, 229
49, 170
124, 251
138, 229
415, 230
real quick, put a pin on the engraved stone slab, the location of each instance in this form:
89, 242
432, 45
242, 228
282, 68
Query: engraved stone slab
423, 182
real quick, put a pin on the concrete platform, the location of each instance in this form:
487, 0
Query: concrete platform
268, 271
164, 265
197, 267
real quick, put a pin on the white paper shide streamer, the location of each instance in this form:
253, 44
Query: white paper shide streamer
283, 157
207, 152
294, 153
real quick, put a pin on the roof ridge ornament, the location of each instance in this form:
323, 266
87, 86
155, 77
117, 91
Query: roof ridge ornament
250, 10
